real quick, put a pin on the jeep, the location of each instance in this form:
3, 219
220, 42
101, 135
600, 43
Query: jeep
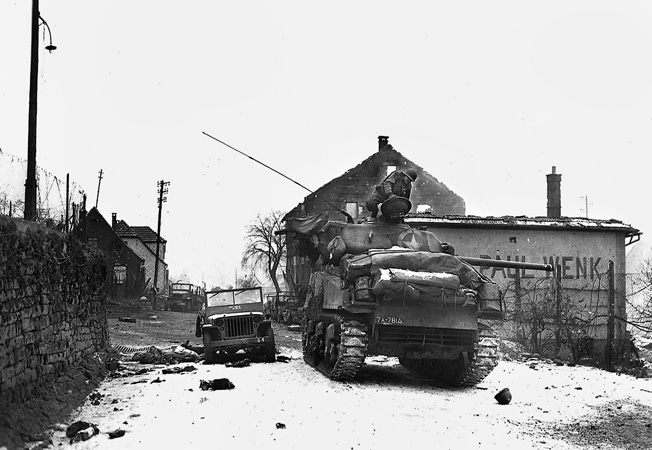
233, 320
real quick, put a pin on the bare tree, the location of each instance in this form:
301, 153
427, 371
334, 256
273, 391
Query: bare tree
639, 299
248, 281
264, 248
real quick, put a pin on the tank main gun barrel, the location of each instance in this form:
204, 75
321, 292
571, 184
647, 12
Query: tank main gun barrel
488, 262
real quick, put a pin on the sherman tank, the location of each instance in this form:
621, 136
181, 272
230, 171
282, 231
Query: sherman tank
382, 287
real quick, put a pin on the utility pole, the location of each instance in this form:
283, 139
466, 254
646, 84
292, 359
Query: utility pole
97, 199
586, 205
609, 348
67, 201
558, 296
30, 183
162, 189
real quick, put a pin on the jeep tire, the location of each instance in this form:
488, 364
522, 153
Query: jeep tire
270, 345
209, 353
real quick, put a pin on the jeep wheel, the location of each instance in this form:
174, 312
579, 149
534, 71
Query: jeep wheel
270, 345
198, 325
209, 353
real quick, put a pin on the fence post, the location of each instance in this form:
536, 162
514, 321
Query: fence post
558, 311
609, 348
518, 308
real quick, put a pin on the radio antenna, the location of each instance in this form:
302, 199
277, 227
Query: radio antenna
346, 214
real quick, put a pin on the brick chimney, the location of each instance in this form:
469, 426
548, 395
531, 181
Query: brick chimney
554, 193
382, 142
114, 220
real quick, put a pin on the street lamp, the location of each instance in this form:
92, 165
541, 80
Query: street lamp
30, 183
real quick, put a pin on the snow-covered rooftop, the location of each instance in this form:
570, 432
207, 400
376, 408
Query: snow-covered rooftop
523, 221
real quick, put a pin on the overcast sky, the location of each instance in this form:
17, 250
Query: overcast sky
485, 96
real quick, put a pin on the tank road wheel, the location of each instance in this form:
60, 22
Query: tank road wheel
318, 343
307, 332
334, 346
270, 346
411, 364
313, 342
331, 345
345, 349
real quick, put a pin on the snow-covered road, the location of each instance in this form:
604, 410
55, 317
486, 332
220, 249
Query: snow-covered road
387, 407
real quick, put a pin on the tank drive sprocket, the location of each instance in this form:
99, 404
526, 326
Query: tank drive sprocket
334, 345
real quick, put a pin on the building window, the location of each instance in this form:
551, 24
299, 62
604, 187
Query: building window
120, 272
352, 209
92, 241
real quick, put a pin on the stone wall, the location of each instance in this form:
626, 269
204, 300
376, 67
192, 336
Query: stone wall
52, 305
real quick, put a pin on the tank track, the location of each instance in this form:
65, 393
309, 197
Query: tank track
485, 360
351, 350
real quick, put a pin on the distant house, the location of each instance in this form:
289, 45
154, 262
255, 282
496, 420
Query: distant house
143, 240
125, 269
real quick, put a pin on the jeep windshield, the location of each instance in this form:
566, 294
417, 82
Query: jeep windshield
181, 287
233, 297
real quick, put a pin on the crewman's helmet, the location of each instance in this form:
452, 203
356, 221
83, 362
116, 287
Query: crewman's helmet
411, 173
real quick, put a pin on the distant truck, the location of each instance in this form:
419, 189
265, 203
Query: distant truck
185, 297
284, 308
233, 320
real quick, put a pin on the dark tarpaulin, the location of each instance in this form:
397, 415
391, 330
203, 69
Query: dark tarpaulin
306, 225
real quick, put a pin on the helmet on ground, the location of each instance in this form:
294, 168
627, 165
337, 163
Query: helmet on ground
411, 173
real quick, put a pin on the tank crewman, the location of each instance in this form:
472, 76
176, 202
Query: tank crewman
397, 183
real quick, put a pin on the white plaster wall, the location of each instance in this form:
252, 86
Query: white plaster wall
583, 257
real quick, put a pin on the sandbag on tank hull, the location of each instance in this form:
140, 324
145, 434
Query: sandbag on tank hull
441, 288
355, 266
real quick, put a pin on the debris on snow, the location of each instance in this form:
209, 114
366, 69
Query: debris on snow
154, 355
81, 431
504, 396
243, 363
216, 384
177, 369
116, 433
